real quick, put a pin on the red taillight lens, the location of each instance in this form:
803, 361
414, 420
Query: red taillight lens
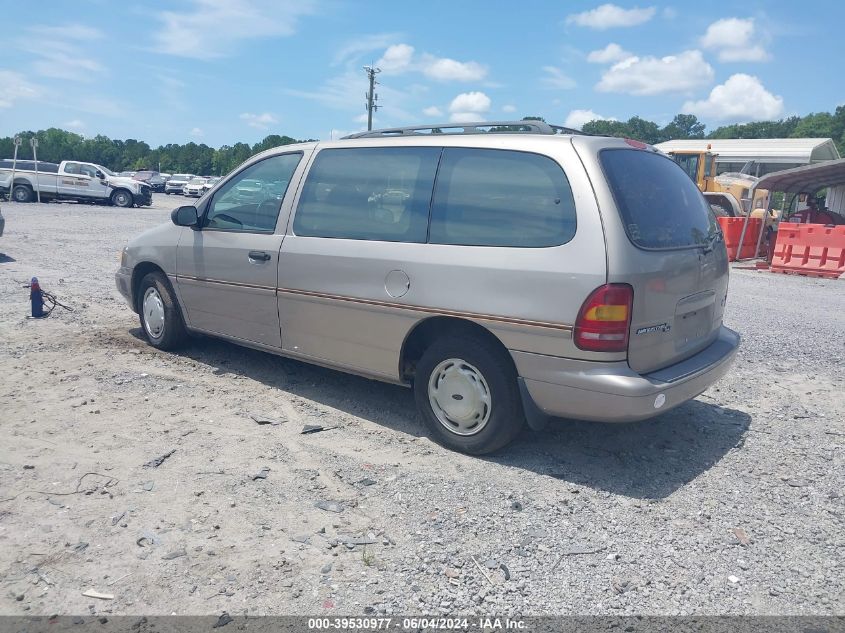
604, 319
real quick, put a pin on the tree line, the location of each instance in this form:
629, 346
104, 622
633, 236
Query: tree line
55, 145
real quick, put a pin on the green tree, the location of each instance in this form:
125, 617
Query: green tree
683, 126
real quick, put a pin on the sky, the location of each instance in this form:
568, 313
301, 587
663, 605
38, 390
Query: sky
223, 71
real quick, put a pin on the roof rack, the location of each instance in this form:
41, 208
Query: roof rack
481, 127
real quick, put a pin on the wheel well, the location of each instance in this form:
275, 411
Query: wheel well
21, 181
138, 273
429, 330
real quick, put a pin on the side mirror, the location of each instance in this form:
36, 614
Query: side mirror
185, 216
100, 174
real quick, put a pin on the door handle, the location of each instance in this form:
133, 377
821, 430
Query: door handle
259, 255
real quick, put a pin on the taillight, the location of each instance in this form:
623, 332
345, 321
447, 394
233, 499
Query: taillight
605, 318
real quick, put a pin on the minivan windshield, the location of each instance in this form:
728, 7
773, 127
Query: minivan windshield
660, 206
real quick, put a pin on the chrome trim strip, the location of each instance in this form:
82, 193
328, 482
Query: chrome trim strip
225, 283
438, 311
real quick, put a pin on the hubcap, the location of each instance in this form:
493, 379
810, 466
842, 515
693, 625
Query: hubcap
153, 313
121, 199
21, 195
459, 397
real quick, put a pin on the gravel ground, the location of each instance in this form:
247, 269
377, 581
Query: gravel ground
731, 504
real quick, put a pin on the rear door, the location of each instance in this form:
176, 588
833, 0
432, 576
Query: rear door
664, 241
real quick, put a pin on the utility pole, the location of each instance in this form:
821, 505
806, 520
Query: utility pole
371, 96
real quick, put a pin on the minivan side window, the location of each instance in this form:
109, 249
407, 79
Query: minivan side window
373, 193
251, 200
491, 197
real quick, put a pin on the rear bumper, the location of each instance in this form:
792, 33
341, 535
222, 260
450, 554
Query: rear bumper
613, 392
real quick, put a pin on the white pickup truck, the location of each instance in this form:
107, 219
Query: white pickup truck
72, 180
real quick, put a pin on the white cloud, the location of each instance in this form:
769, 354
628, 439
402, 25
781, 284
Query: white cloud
509, 108
260, 121
445, 69
741, 98
58, 51
197, 132
577, 118
433, 111
396, 58
353, 50
469, 106
76, 124
401, 58
735, 40
652, 75
556, 78
608, 55
14, 87
609, 16
213, 28
68, 31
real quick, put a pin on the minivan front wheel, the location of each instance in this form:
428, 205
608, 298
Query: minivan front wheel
467, 392
160, 317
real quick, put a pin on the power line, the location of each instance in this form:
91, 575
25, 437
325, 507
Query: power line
371, 96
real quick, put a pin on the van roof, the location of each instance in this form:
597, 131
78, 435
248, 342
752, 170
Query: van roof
480, 127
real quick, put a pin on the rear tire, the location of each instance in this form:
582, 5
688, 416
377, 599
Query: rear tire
161, 318
467, 393
22, 193
122, 198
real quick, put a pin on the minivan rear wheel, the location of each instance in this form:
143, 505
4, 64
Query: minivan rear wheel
467, 393
161, 319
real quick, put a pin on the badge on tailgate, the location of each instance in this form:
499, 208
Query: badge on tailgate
662, 327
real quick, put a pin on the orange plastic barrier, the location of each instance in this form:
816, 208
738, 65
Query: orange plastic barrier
810, 249
732, 229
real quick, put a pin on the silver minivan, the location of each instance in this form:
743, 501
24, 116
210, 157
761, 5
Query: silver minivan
507, 272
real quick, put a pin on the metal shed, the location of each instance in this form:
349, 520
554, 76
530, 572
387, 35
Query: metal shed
809, 179
770, 154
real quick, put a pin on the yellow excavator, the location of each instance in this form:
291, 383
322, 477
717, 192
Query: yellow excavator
728, 193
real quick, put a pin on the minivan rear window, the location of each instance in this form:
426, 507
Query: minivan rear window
660, 206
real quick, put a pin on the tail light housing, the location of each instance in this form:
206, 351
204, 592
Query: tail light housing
605, 319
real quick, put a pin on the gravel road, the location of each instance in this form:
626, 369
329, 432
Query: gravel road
731, 504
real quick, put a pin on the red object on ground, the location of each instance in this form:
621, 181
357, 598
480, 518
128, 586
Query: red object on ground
810, 249
732, 229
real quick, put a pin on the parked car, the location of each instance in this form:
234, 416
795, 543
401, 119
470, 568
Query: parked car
71, 180
152, 178
194, 188
210, 182
505, 278
250, 190
127, 174
176, 183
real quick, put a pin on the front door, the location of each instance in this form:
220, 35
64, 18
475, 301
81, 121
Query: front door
227, 269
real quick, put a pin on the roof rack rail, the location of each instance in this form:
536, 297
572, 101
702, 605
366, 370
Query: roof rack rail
480, 127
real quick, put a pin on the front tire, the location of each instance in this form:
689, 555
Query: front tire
467, 393
122, 198
161, 318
